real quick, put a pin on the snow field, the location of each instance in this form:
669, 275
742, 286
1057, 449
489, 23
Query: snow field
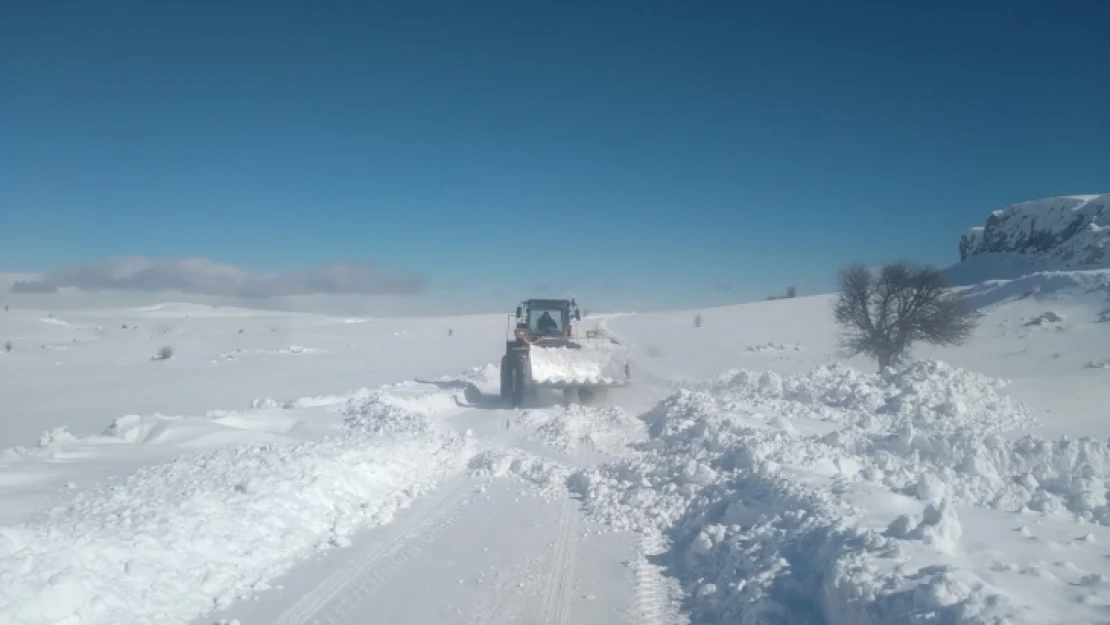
175, 540
838, 497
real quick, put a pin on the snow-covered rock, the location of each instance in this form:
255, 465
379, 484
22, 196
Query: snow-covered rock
1069, 232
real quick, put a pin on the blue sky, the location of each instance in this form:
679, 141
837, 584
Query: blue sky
671, 152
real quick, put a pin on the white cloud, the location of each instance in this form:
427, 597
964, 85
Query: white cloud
201, 276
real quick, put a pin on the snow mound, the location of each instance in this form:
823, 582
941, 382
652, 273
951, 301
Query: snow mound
177, 540
485, 379
396, 408
606, 428
547, 476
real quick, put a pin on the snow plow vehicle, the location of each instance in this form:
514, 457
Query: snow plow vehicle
544, 351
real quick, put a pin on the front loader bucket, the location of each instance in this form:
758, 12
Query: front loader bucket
587, 363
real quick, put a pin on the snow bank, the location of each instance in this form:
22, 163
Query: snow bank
177, 540
765, 488
924, 394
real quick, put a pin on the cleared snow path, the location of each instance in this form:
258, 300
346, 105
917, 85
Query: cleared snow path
502, 541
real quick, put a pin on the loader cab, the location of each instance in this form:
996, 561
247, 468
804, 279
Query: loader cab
548, 317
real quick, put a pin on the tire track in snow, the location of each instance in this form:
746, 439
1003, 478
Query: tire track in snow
654, 599
556, 605
402, 541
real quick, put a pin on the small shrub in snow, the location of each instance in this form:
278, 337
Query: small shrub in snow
164, 353
884, 313
8, 347
698, 320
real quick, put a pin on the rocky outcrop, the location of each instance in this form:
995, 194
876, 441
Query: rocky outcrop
1070, 232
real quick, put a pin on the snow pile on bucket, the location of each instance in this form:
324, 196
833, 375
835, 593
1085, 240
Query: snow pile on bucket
178, 540
596, 361
784, 498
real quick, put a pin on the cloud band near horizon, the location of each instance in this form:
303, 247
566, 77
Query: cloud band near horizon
202, 276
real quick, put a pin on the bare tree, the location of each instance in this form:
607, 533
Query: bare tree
885, 312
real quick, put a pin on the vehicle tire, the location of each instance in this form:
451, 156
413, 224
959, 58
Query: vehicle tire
570, 395
507, 377
520, 378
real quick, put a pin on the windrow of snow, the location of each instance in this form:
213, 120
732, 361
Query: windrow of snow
930, 394
177, 540
755, 479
